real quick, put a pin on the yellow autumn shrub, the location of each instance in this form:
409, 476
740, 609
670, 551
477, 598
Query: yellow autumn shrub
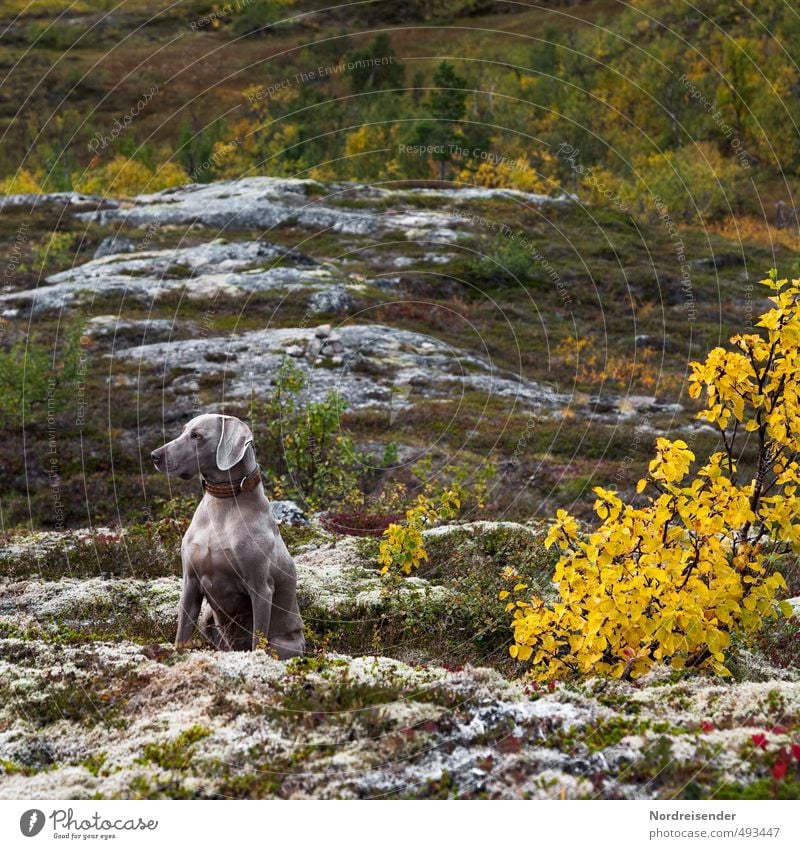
21, 182
123, 177
366, 152
672, 581
593, 363
402, 546
514, 173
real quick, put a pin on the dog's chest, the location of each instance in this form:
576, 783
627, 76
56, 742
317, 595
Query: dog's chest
214, 545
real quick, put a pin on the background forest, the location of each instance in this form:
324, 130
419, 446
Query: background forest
609, 100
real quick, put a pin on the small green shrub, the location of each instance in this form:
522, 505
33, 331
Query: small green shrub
505, 263
308, 456
52, 36
55, 253
37, 379
258, 16
175, 754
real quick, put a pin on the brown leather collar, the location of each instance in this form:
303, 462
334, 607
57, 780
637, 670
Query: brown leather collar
231, 490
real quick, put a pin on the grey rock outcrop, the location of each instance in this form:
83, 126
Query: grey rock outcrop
261, 203
379, 365
208, 270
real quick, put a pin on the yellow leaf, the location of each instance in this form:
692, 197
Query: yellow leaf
524, 653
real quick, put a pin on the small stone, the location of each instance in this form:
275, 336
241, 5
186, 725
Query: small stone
601, 404
114, 245
288, 513
334, 299
654, 343
322, 331
313, 348
296, 351
185, 385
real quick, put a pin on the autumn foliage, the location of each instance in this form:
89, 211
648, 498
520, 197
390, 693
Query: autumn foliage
403, 546
674, 580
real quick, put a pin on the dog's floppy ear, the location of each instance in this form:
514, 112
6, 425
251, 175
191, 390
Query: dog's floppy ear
234, 438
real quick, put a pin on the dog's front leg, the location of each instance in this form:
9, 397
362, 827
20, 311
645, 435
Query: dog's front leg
261, 600
189, 611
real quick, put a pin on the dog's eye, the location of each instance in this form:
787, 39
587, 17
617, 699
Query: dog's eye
197, 435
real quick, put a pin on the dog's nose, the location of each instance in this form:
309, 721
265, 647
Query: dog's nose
156, 455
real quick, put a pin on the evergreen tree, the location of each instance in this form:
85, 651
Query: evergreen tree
376, 68
444, 131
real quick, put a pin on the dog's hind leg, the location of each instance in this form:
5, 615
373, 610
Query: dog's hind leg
261, 600
210, 632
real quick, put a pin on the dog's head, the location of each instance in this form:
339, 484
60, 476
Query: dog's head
208, 444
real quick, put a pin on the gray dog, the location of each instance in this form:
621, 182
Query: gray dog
233, 554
